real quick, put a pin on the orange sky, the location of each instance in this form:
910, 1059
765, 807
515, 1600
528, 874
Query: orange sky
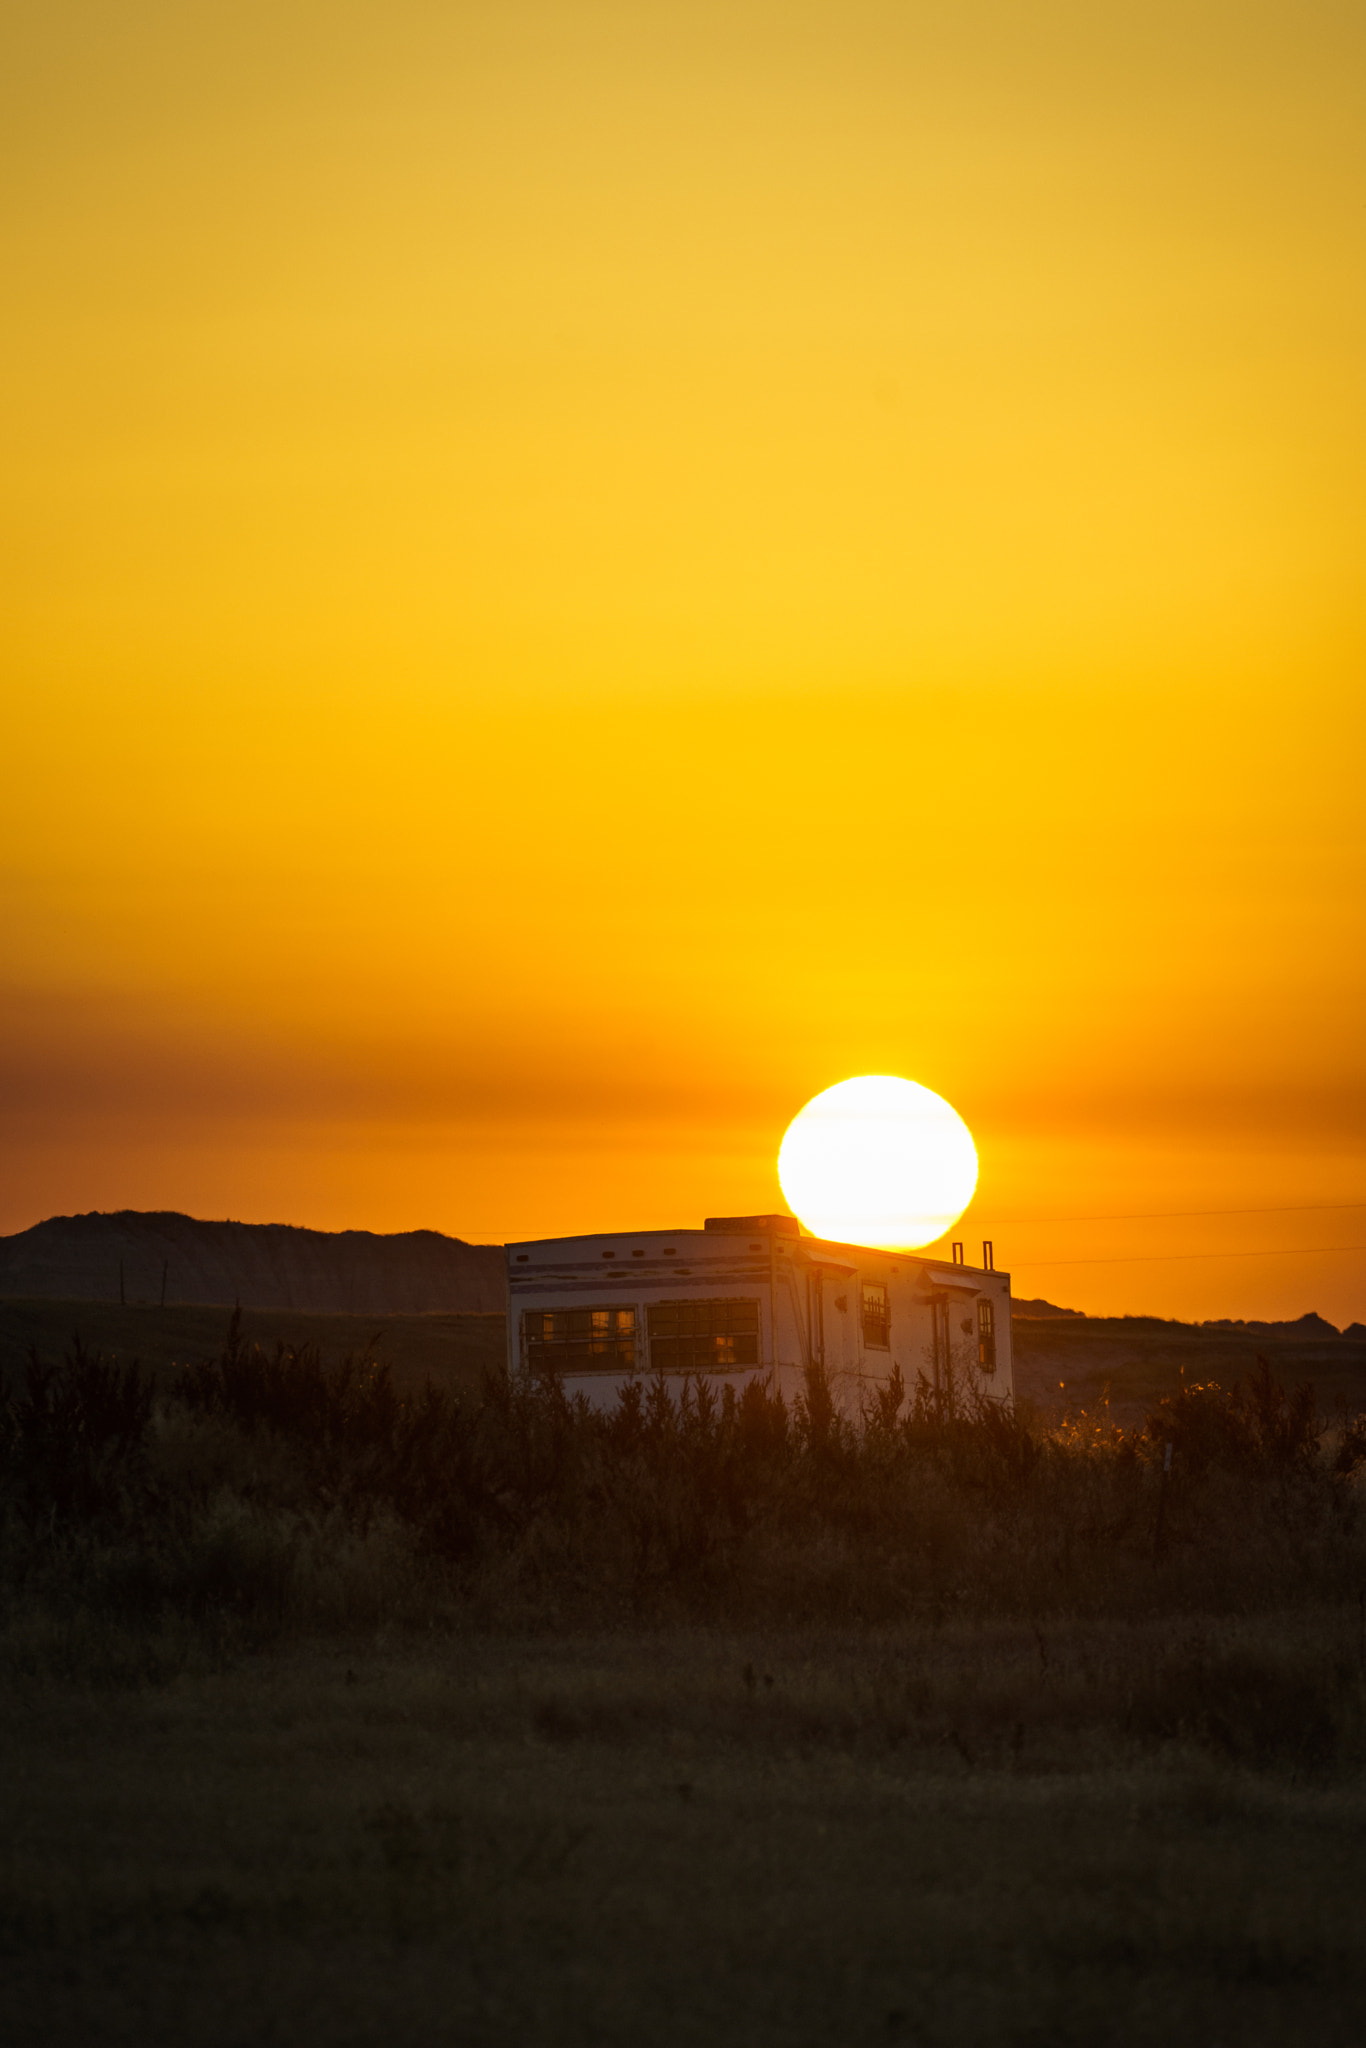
573, 574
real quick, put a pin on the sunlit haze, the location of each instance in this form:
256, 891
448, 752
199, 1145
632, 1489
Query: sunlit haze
575, 573
878, 1160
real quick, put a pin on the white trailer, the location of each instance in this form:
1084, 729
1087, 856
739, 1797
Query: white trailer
754, 1297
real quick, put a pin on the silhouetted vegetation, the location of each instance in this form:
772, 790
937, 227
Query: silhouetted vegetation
266, 1490
402, 1711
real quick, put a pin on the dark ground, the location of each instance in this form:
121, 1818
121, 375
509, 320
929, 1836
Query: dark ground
688, 1839
452, 1350
1079, 1362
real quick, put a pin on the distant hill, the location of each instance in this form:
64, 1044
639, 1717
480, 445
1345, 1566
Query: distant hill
1309, 1326
1066, 1360
261, 1265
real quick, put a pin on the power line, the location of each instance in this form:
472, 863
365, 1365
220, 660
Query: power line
1184, 1215
1315, 1251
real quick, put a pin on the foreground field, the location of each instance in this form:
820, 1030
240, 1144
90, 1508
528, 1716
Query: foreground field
339, 1713
677, 1838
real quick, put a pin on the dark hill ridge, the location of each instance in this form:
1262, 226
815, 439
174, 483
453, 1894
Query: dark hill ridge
1310, 1325
260, 1265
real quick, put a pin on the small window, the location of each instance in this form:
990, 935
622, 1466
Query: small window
580, 1339
703, 1336
877, 1319
986, 1335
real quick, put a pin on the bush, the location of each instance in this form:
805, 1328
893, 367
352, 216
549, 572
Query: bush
1257, 1428
264, 1491
73, 1444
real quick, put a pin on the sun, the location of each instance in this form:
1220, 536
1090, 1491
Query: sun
879, 1161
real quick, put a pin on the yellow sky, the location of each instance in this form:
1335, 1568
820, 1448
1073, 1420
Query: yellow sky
574, 574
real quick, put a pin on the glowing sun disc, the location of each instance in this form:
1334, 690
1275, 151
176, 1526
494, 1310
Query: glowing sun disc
879, 1161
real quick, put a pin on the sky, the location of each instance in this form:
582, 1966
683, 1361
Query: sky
573, 574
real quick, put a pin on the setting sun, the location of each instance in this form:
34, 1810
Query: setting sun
879, 1161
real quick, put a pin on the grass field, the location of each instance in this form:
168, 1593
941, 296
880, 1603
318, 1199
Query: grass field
1131, 1363
453, 1350
337, 1715
619, 1840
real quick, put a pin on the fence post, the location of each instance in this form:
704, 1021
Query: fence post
1161, 1500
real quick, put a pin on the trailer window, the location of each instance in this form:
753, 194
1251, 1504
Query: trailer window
877, 1319
986, 1335
703, 1336
580, 1339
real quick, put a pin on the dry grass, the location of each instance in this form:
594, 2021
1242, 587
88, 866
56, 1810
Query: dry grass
678, 1838
347, 1718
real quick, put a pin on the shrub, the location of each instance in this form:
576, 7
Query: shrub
72, 1445
1256, 1427
261, 1488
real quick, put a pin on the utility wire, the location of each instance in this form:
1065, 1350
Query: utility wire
1184, 1215
1314, 1251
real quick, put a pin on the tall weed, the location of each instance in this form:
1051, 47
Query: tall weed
266, 1491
